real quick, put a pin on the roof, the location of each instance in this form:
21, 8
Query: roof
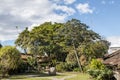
113, 49
25, 56
113, 58
41, 58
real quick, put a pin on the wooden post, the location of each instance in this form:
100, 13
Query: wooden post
79, 63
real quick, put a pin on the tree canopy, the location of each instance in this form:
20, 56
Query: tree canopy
57, 39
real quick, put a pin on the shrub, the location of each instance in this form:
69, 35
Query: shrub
76, 69
63, 66
96, 64
9, 59
22, 68
99, 71
59, 67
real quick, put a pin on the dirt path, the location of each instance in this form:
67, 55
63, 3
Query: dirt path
66, 77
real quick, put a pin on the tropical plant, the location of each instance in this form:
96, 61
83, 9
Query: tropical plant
99, 71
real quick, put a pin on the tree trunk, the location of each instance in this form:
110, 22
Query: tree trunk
52, 71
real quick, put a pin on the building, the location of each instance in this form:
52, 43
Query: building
113, 49
113, 61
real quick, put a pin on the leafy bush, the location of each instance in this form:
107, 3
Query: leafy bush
99, 71
22, 68
76, 69
96, 64
59, 67
9, 59
63, 66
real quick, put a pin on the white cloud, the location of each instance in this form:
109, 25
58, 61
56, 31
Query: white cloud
69, 1
1, 29
115, 41
84, 8
66, 9
32, 26
24, 13
8, 37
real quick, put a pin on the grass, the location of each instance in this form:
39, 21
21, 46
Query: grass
45, 76
80, 76
34, 76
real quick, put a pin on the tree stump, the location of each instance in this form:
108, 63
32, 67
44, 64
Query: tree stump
52, 71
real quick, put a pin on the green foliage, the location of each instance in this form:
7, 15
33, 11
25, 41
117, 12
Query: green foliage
42, 39
31, 61
23, 39
73, 37
71, 58
9, 59
98, 71
95, 49
96, 64
22, 68
76, 69
105, 74
63, 66
77, 35
53, 63
60, 67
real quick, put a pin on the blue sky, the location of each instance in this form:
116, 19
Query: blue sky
101, 15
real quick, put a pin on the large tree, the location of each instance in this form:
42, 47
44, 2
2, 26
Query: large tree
43, 39
55, 39
9, 59
78, 34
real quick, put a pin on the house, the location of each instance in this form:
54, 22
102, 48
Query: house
113, 61
25, 56
113, 49
41, 59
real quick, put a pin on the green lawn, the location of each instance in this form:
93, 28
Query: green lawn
80, 76
44, 76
